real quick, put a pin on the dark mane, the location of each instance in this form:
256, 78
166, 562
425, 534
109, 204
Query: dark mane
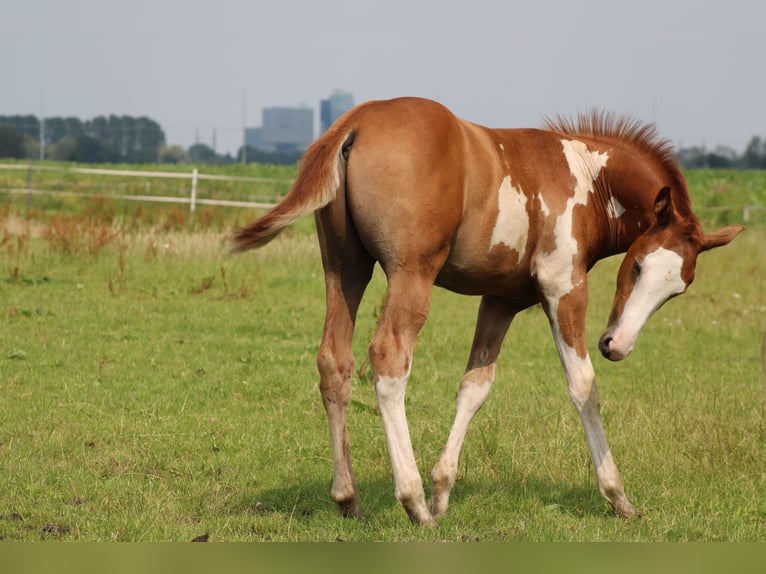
628, 131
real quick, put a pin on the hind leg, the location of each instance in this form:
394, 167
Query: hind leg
405, 310
495, 316
348, 269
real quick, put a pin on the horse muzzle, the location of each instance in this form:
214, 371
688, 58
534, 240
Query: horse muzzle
611, 348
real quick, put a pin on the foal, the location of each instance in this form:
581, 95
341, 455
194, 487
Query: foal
516, 216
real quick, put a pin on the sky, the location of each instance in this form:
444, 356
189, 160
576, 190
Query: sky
203, 69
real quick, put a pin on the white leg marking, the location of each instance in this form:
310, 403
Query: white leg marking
512, 225
581, 379
408, 484
473, 393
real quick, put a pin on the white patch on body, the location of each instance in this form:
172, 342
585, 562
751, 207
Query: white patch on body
543, 206
585, 165
554, 269
512, 225
614, 208
659, 281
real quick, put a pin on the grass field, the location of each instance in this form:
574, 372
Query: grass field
154, 388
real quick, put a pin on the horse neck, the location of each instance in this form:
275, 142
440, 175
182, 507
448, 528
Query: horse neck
624, 200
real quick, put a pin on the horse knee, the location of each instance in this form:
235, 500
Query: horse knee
335, 374
389, 355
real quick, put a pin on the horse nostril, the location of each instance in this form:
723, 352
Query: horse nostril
603, 346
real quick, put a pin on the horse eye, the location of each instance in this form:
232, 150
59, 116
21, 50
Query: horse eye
636, 269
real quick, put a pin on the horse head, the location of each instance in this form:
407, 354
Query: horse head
658, 266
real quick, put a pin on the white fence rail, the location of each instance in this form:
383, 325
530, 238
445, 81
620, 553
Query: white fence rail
194, 176
746, 209
192, 200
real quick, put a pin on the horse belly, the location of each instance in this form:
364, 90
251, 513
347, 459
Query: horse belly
491, 250
498, 272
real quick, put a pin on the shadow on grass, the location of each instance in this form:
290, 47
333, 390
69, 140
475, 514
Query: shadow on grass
303, 500
522, 495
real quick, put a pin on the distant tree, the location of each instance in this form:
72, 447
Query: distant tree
92, 150
149, 138
64, 149
31, 147
722, 157
113, 138
201, 153
25, 125
11, 142
173, 154
127, 139
98, 128
692, 157
755, 154
57, 129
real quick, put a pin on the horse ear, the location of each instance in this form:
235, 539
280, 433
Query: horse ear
663, 207
721, 237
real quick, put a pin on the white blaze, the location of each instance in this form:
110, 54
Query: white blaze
512, 225
659, 281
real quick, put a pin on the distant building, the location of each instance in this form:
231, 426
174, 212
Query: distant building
334, 107
284, 130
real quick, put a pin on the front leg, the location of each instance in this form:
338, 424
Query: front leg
584, 394
566, 314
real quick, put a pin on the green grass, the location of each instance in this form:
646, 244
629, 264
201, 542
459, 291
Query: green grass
71, 190
154, 388
721, 196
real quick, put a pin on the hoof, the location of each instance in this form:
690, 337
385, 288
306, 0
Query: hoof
426, 522
351, 509
438, 506
420, 515
440, 492
624, 509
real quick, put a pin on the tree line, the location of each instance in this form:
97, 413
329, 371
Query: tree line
123, 139
724, 157
113, 139
127, 139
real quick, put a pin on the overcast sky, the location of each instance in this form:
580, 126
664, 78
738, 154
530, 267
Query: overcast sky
696, 67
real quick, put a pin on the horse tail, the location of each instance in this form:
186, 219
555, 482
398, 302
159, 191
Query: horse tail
321, 174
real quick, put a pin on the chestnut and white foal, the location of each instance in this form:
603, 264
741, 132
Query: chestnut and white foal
517, 216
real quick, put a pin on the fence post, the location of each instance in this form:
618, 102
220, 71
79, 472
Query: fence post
192, 205
29, 186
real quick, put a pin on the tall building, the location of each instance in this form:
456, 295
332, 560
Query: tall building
334, 107
284, 130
